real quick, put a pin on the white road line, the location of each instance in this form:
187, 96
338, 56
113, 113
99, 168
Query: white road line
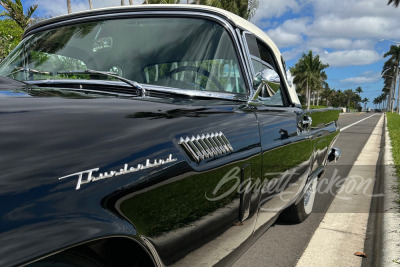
348, 126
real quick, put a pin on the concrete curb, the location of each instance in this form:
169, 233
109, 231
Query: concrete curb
391, 216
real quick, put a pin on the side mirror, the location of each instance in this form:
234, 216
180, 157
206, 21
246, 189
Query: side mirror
267, 78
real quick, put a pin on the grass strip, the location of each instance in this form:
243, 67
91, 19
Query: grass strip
393, 124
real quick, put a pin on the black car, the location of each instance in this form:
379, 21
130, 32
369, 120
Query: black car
151, 135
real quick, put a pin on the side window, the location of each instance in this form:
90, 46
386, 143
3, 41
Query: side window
261, 58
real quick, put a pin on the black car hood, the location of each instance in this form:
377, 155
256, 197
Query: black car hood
6, 83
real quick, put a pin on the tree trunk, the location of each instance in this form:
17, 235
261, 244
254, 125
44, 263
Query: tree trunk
90, 4
308, 92
131, 2
197, 2
313, 98
69, 6
393, 86
122, 2
318, 99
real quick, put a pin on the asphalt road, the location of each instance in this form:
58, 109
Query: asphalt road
283, 244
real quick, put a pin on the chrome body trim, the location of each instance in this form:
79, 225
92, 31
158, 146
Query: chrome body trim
146, 88
334, 154
206, 146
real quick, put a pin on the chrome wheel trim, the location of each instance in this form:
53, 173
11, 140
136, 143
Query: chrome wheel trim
310, 196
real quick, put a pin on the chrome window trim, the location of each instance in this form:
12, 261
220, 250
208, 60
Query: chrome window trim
250, 56
287, 101
248, 51
245, 60
149, 88
141, 14
262, 62
228, 96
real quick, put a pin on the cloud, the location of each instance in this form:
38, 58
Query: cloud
350, 57
341, 43
284, 39
290, 32
354, 19
362, 79
349, 30
292, 54
274, 9
352, 8
355, 27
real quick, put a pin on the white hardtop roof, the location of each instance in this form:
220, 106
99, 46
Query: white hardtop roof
239, 21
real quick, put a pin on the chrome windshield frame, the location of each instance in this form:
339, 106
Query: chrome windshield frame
238, 46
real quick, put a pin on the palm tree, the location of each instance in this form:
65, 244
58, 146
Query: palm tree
365, 101
375, 102
90, 4
388, 73
394, 54
309, 71
243, 8
327, 94
382, 98
122, 2
15, 11
394, 2
349, 96
359, 90
69, 6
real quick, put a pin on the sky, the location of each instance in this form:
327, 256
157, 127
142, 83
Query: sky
346, 34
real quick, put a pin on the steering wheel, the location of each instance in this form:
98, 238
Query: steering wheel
199, 70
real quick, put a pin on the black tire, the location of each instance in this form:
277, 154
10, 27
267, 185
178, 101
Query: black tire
297, 213
81, 258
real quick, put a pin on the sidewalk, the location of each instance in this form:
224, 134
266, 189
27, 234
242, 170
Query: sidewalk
391, 216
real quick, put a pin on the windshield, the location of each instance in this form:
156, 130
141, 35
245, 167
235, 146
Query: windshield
184, 53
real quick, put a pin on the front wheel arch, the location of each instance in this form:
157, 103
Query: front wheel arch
111, 251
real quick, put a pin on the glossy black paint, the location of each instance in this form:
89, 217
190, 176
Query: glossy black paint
180, 212
44, 138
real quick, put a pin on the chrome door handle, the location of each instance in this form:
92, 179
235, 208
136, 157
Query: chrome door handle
306, 123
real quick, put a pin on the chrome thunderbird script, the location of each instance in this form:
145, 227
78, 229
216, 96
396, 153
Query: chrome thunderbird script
88, 176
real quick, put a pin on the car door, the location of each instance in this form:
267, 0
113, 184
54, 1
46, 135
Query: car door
285, 138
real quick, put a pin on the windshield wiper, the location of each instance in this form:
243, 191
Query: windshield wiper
141, 90
18, 69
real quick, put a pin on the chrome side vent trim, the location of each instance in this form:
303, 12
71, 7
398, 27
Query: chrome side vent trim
206, 146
